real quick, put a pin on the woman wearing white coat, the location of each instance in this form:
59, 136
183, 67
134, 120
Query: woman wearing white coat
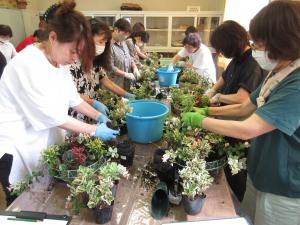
36, 91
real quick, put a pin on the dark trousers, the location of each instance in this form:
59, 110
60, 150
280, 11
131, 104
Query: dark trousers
5, 168
237, 182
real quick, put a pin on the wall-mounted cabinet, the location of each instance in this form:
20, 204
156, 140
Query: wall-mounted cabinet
166, 28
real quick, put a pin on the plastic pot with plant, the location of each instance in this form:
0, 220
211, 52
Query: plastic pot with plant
64, 159
195, 179
126, 150
98, 187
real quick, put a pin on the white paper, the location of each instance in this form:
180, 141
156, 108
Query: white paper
233, 221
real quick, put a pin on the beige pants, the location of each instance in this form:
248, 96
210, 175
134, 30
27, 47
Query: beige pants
269, 209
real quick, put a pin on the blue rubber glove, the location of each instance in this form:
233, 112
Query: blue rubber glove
104, 133
129, 95
100, 107
102, 118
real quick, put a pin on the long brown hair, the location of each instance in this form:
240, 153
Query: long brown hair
69, 26
103, 60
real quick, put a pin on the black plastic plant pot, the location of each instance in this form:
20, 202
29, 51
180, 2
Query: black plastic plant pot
193, 207
160, 201
165, 171
123, 129
103, 215
215, 166
126, 150
114, 189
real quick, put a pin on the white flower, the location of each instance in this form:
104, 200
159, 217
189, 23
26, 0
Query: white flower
165, 157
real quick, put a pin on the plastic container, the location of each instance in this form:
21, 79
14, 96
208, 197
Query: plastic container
145, 122
166, 78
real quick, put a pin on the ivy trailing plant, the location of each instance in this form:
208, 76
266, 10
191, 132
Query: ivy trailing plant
24, 185
92, 188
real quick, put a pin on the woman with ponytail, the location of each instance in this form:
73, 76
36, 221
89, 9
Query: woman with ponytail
36, 91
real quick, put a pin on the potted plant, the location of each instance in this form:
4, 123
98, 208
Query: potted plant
143, 90
117, 116
95, 189
126, 150
64, 159
236, 154
195, 180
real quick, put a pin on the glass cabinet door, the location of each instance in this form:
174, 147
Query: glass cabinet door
157, 27
179, 25
109, 20
134, 19
206, 25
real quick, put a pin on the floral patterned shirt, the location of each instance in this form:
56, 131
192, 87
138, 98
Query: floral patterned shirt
87, 84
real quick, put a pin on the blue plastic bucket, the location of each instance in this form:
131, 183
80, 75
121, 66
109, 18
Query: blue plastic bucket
145, 122
166, 78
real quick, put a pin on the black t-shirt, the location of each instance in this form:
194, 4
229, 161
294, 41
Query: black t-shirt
242, 72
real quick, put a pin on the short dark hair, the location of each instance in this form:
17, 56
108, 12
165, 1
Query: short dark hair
230, 39
190, 29
2, 63
142, 34
123, 25
37, 34
71, 25
5, 30
137, 27
277, 26
99, 28
192, 39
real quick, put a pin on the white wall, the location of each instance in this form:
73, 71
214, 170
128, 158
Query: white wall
242, 11
13, 18
149, 5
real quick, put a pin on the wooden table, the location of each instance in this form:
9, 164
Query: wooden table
132, 201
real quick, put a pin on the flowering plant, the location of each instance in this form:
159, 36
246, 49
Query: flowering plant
78, 150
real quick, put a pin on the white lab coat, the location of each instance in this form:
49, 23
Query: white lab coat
202, 61
34, 100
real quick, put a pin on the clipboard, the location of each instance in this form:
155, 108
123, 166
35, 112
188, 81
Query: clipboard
32, 218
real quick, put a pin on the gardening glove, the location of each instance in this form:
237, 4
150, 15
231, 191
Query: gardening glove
192, 119
201, 111
129, 95
215, 99
101, 118
100, 107
210, 93
104, 133
136, 73
170, 67
129, 76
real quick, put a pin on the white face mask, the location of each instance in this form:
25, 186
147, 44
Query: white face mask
263, 60
99, 49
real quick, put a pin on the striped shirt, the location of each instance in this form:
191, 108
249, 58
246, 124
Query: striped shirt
121, 60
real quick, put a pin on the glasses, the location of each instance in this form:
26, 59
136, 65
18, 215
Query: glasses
254, 46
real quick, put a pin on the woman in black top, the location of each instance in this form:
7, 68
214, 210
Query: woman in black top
243, 74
